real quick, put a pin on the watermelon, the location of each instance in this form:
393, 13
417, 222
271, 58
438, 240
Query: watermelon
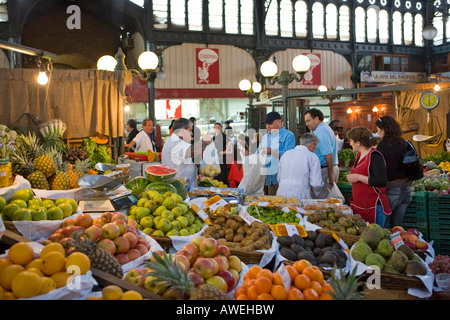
181, 188
160, 172
161, 187
137, 185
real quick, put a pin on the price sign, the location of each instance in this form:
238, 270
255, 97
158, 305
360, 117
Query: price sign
291, 229
285, 277
341, 242
216, 205
263, 204
247, 217
203, 215
396, 240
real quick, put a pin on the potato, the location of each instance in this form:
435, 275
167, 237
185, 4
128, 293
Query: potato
229, 237
221, 241
238, 237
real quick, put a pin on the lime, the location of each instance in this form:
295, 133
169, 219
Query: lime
21, 203
21, 214
55, 213
47, 203
66, 208
38, 214
60, 200
9, 210
35, 201
74, 205
22, 194
2, 203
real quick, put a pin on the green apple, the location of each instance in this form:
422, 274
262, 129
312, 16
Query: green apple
167, 214
148, 231
9, 210
172, 232
163, 224
146, 222
158, 233
196, 227
60, 200
184, 221
156, 219
151, 204
176, 225
152, 193
169, 203
74, 205
132, 209
159, 199
33, 201
190, 218
176, 197
47, 203
132, 217
21, 203
184, 232
167, 194
141, 202
141, 212
2, 203
55, 213
159, 210
191, 230
21, 214
38, 214
66, 208
22, 194
183, 206
177, 212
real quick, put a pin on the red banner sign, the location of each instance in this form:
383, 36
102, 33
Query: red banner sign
313, 75
173, 109
207, 66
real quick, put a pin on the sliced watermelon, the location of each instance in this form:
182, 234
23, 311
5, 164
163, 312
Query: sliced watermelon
160, 172
161, 187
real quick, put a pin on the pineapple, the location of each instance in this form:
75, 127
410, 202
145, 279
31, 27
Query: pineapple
44, 163
173, 282
345, 287
100, 258
75, 172
38, 180
60, 180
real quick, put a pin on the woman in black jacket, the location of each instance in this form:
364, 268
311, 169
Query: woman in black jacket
398, 188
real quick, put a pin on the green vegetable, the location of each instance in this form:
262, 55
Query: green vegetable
97, 153
347, 155
438, 157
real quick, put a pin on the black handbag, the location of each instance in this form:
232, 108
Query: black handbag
412, 163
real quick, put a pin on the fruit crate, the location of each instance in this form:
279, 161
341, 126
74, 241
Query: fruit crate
418, 207
346, 190
438, 202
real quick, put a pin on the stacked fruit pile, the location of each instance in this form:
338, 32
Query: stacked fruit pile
440, 264
202, 269
210, 170
273, 215
25, 206
113, 292
113, 232
164, 214
305, 282
24, 276
410, 237
335, 220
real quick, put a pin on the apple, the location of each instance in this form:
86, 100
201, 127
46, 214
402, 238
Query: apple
71, 250
192, 248
122, 258
69, 222
110, 231
66, 242
216, 265
156, 252
133, 223
204, 267
131, 237
101, 221
55, 237
133, 273
397, 229
195, 277
422, 245
209, 248
235, 274
414, 231
122, 244
188, 254
119, 216
133, 254
217, 282
411, 244
235, 263
67, 231
404, 235
229, 279
108, 245
107, 216
84, 220
222, 262
94, 232
182, 260
412, 237
123, 226
197, 241
139, 281
224, 251
144, 242
142, 249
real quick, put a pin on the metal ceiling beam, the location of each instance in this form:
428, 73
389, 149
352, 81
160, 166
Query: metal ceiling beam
27, 50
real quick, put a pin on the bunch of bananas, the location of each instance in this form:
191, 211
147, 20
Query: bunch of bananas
445, 165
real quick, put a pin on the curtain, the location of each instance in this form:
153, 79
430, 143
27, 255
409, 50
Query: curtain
88, 101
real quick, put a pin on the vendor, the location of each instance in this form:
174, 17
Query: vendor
178, 149
132, 132
144, 140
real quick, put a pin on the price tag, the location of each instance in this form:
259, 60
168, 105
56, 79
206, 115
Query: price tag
203, 215
341, 242
286, 210
285, 277
396, 240
291, 229
216, 205
247, 217
215, 190
263, 204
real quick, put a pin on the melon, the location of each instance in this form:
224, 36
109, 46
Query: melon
160, 172
181, 188
161, 187
137, 186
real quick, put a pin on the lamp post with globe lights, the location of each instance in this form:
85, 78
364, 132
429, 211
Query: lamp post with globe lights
251, 90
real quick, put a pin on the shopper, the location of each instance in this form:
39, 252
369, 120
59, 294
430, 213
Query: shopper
299, 172
144, 140
337, 128
132, 132
273, 145
252, 180
177, 151
171, 127
327, 148
220, 142
398, 188
368, 178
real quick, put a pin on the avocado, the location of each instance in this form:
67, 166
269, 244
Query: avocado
415, 268
288, 254
296, 248
316, 252
320, 241
311, 235
307, 256
329, 239
285, 240
328, 258
299, 240
309, 244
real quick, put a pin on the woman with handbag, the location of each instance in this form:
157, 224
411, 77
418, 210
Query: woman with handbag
368, 178
398, 188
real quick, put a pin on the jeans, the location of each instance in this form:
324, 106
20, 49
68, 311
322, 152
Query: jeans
380, 216
399, 199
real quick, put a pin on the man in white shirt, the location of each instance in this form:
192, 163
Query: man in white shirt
299, 172
144, 140
178, 153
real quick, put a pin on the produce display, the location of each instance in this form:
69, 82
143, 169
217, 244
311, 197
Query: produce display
113, 292
161, 172
347, 156
275, 200
273, 215
210, 170
440, 264
209, 192
97, 153
319, 249
411, 238
335, 220
25, 206
436, 183
210, 182
234, 232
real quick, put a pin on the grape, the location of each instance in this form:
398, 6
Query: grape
440, 264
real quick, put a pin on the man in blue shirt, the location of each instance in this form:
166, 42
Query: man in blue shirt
273, 145
327, 147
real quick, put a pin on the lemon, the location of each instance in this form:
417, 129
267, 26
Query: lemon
20, 253
26, 284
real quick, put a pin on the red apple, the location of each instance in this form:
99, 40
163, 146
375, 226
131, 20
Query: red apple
235, 274
224, 251
142, 249
222, 261
131, 237
397, 229
110, 231
133, 254
188, 254
235, 263
108, 245
216, 265
101, 221
139, 281
144, 243
422, 245
411, 244
94, 233
68, 231
122, 258
123, 226
122, 244
217, 282
70, 250
192, 248
133, 273
182, 260
84, 220
132, 229
197, 241
66, 242
229, 279
55, 237
195, 277
204, 267
107, 216
414, 231
133, 223
412, 237
404, 235
119, 216
69, 222
209, 248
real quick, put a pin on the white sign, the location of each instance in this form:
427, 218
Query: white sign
393, 76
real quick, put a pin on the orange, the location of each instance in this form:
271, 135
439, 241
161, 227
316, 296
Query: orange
249, 283
310, 294
54, 246
302, 282
325, 296
7, 275
36, 270
4, 263
265, 273
26, 284
47, 285
131, 295
239, 291
319, 275
242, 297
264, 296
79, 260
52, 263
60, 278
327, 288
9, 296
252, 293
310, 273
299, 265
263, 285
246, 276
292, 272
295, 294
253, 271
20, 253
279, 292
277, 278
35, 263
112, 292
317, 287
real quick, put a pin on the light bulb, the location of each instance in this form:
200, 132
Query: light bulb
269, 69
437, 87
256, 86
127, 108
245, 85
349, 111
42, 78
375, 109
301, 63
322, 88
148, 60
107, 63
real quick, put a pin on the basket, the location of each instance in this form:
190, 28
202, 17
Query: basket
9, 225
164, 241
